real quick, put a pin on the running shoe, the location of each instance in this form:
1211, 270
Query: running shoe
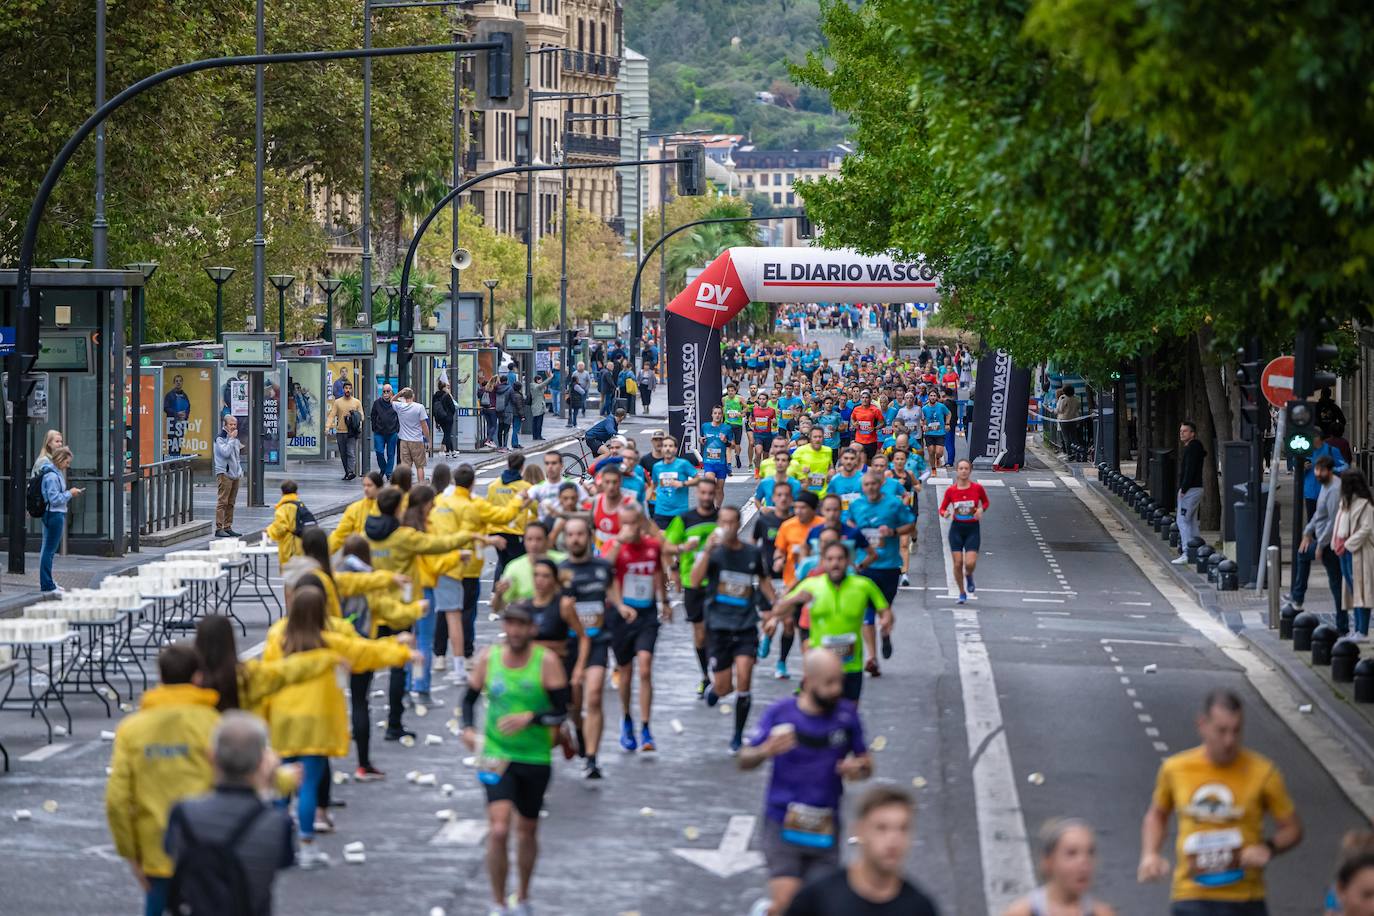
646, 740
440, 663
368, 774
968, 580
764, 645
780, 671
308, 857
592, 772
455, 675
735, 744
963, 599
519, 907
396, 734
710, 696
906, 581
887, 647
627, 735
701, 688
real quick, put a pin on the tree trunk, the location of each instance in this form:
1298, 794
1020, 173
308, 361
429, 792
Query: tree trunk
1196, 397
1218, 398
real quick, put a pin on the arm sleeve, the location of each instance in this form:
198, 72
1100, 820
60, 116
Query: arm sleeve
367, 654
258, 680
350, 523
281, 526
759, 733
53, 492
349, 584
395, 613
1275, 795
1163, 797
119, 792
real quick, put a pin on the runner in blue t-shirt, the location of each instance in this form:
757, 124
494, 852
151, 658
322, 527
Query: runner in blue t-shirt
672, 477
937, 419
882, 518
715, 440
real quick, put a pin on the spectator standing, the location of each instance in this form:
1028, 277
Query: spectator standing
648, 381
490, 418
1067, 409
228, 473
536, 407
161, 755
56, 495
1316, 541
52, 440
606, 386
234, 815
346, 421
1310, 487
556, 391
413, 430
385, 429
1353, 541
1329, 415
1190, 458
519, 410
445, 411
626, 385
577, 393
505, 410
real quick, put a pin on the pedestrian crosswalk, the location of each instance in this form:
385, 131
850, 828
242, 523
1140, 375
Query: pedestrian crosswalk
1017, 481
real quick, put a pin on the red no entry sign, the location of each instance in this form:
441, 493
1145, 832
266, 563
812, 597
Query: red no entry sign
1277, 381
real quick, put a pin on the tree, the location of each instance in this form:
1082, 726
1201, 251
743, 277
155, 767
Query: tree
694, 247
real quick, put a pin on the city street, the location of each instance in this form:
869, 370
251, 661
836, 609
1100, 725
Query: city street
1032, 701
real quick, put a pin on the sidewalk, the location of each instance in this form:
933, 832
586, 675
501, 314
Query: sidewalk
1246, 613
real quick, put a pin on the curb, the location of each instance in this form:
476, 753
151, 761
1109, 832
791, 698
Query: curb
1351, 727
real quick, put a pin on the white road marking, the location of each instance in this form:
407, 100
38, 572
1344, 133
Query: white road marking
46, 751
733, 856
1267, 681
1136, 604
1070, 481
1041, 484
1145, 642
1052, 613
1043, 600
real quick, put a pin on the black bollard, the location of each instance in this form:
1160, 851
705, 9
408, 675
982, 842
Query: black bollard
1364, 681
1303, 625
1173, 535
1204, 553
1213, 563
1323, 640
1228, 577
1286, 615
1195, 544
1344, 656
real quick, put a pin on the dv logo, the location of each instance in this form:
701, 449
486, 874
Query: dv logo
713, 295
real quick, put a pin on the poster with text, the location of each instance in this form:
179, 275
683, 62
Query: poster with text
148, 424
189, 416
305, 406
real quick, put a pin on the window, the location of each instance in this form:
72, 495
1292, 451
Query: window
791, 198
777, 197
522, 200
791, 177
478, 134
605, 48
477, 200
581, 26
522, 139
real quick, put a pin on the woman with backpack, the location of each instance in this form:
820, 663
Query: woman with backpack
490, 418
519, 409
51, 476
445, 410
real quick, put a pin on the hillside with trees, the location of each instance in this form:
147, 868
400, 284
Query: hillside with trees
749, 45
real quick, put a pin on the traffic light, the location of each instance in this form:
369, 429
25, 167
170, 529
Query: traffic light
1300, 427
499, 74
1253, 408
1310, 354
691, 175
804, 228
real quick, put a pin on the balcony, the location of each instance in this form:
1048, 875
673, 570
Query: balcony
589, 145
591, 64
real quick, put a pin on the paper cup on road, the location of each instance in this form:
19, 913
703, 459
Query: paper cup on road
446, 789
355, 858
646, 811
23, 814
677, 726
412, 775
50, 806
426, 779
691, 833
878, 743
107, 736
1036, 779
61, 731
421, 710
918, 782
407, 741
445, 814
340, 777
433, 739
469, 761
1305, 708
1151, 669
356, 847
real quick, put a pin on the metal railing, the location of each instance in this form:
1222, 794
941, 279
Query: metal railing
590, 145
166, 495
592, 64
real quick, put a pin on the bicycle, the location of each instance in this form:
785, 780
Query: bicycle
577, 465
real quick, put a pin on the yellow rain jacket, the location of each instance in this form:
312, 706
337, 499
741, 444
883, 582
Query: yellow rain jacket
310, 718
352, 522
471, 518
258, 680
501, 494
161, 755
283, 528
395, 546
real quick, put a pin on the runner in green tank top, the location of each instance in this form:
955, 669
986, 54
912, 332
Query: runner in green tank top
527, 697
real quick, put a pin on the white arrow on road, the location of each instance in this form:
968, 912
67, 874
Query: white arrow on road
733, 856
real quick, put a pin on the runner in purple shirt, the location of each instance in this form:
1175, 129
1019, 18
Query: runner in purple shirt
816, 742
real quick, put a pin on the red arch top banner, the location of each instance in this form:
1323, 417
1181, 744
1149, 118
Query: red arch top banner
743, 275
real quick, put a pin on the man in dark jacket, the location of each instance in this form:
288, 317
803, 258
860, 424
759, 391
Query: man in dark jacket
607, 385
386, 429
1190, 457
244, 765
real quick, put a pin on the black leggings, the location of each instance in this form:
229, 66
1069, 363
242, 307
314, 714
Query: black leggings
359, 686
515, 547
395, 688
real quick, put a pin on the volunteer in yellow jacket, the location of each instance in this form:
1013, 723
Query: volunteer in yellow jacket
357, 511
395, 546
161, 755
503, 492
1221, 793
472, 519
247, 684
309, 722
283, 528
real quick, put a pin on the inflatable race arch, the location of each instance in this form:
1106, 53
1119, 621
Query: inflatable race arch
743, 275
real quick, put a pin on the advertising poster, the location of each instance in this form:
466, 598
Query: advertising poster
271, 419
147, 419
486, 365
190, 412
341, 372
465, 389
234, 399
305, 406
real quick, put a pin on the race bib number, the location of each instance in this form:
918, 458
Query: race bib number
1214, 857
592, 614
639, 588
887, 430
872, 534
809, 826
667, 477
865, 427
786, 414
815, 481
732, 414
963, 508
715, 453
829, 430
842, 644
735, 587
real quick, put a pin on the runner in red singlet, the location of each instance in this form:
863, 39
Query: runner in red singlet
606, 504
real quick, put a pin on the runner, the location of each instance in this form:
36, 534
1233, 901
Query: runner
1221, 792
687, 533
866, 421
882, 519
763, 426
911, 496
671, 476
638, 559
605, 506
716, 444
528, 698
817, 459
847, 483
559, 628
734, 419
1068, 858
838, 602
517, 579
781, 479
734, 575
589, 591
936, 420
816, 742
964, 503
764, 535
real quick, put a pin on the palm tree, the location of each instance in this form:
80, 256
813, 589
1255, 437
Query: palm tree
699, 246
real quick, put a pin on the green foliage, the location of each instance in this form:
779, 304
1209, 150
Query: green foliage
180, 158
700, 76
693, 247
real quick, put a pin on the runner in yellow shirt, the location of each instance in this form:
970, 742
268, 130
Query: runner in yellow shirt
818, 461
1221, 792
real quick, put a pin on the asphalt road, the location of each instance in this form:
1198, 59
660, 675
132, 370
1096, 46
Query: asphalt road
1030, 702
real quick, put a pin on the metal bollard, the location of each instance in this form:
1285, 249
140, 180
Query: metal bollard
1286, 618
1204, 553
1344, 656
1271, 560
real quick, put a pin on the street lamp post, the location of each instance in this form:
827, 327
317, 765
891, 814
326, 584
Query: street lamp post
282, 282
221, 276
491, 308
147, 268
393, 292
330, 285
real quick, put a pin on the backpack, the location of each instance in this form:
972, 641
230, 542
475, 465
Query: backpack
354, 422
34, 500
210, 877
358, 612
304, 519
631, 386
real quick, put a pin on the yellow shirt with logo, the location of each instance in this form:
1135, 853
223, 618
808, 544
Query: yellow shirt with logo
1220, 810
816, 463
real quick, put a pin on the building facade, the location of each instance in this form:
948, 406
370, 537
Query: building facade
633, 86
594, 36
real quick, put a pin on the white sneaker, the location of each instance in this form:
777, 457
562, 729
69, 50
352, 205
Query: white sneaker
454, 675
1358, 637
308, 857
1180, 560
440, 663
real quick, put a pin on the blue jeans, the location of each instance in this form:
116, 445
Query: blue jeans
155, 904
949, 445
557, 395
1302, 570
53, 523
607, 404
515, 431
385, 447
1361, 613
424, 642
307, 796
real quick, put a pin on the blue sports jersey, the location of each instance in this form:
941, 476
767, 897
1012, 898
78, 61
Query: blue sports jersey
847, 488
869, 516
672, 500
937, 415
764, 490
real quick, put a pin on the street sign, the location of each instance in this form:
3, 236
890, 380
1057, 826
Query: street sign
519, 342
1277, 381
6, 340
250, 351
